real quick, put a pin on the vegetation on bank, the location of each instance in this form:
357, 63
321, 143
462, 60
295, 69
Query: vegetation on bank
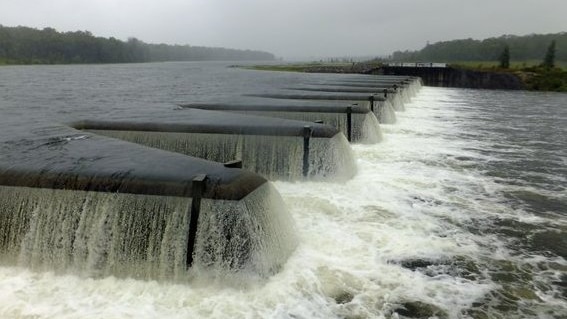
521, 48
541, 79
546, 75
539, 60
23, 45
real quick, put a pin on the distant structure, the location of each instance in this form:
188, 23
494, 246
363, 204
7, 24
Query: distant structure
416, 64
444, 75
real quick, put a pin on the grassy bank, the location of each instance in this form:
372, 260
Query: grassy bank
534, 77
539, 79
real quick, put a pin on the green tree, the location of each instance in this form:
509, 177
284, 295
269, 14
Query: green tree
549, 60
24, 45
505, 58
524, 48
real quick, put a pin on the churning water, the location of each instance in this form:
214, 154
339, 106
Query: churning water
459, 212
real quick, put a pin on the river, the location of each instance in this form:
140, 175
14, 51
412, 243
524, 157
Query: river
461, 212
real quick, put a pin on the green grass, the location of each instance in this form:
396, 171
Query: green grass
541, 79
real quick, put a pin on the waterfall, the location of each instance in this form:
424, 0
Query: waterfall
364, 130
370, 129
418, 83
412, 89
397, 102
386, 113
275, 157
405, 94
331, 159
255, 235
142, 236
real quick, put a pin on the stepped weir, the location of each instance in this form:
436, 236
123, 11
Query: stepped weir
178, 194
356, 122
378, 104
100, 206
275, 148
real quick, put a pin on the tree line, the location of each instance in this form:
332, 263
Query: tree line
519, 48
24, 45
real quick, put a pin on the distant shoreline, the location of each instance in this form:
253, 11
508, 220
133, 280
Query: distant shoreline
23, 46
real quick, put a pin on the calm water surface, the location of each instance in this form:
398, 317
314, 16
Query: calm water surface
460, 212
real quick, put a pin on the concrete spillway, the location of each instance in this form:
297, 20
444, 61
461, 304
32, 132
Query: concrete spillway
370, 80
74, 200
331, 96
90, 197
397, 100
98, 206
356, 122
381, 106
382, 99
405, 87
347, 89
135, 192
275, 148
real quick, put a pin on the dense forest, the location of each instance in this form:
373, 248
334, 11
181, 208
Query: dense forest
23, 45
521, 48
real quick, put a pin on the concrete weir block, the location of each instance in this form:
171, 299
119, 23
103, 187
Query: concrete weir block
272, 147
363, 125
331, 96
375, 102
78, 202
381, 100
90, 197
384, 90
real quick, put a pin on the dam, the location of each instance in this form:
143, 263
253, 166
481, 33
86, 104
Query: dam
452, 214
101, 207
274, 148
443, 75
152, 191
356, 122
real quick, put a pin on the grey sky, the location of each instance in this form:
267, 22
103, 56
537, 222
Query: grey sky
293, 28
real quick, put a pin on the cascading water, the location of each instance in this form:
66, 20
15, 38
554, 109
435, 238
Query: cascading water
253, 236
370, 129
276, 157
405, 94
414, 88
99, 234
418, 84
397, 102
365, 129
331, 159
454, 215
386, 113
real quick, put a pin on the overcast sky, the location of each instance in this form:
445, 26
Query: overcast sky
293, 28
